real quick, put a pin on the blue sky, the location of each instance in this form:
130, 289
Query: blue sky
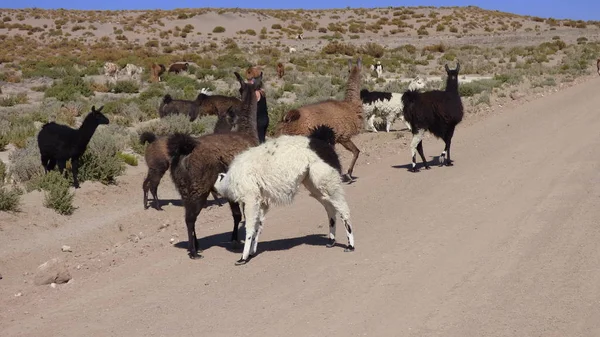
560, 9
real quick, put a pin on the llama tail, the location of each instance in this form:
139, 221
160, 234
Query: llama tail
147, 137
323, 132
167, 99
180, 144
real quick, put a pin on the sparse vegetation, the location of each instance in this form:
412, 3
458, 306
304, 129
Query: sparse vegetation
60, 57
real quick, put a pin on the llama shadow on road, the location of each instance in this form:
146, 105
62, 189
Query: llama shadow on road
435, 161
223, 240
179, 203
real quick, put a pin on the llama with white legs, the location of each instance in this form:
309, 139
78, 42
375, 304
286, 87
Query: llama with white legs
436, 111
379, 69
271, 174
386, 105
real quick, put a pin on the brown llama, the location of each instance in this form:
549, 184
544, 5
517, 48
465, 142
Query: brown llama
280, 70
197, 162
598, 66
156, 71
178, 67
158, 162
344, 116
203, 105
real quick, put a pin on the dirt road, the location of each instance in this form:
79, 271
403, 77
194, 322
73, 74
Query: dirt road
505, 243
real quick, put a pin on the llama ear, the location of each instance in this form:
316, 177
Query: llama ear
349, 65
359, 63
457, 66
239, 78
102, 107
447, 69
93, 108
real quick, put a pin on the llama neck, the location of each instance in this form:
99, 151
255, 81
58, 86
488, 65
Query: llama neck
85, 132
353, 86
247, 114
451, 86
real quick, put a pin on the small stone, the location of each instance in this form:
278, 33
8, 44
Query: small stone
18, 294
51, 271
163, 227
172, 240
66, 248
53, 285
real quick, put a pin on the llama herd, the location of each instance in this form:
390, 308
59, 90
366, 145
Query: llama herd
255, 174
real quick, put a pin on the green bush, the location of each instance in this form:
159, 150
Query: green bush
57, 195
128, 159
4, 134
69, 88
12, 100
180, 82
25, 163
174, 123
10, 199
219, 29
3, 173
127, 87
100, 161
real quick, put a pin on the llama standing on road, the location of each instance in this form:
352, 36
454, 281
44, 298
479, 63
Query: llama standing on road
344, 116
197, 162
59, 143
387, 105
598, 66
436, 111
271, 174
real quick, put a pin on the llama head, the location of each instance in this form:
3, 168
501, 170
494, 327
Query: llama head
358, 65
255, 84
453, 73
97, 116
221, 184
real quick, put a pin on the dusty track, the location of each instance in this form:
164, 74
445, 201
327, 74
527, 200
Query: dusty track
505, 243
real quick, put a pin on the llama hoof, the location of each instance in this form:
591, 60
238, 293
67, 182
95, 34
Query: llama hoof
241, 262
349, 249
428, 167
449, 163
195, 256
330, 243
414, 170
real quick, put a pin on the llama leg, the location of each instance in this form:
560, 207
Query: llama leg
236, 213
389, 119
51, 164
192, 210
260, 221
349, 145
146, 188
45, 162
75, 170
62, 164
420, 150
341, 206
445, 156
331, 215
251, 212
371, 122
414, 146
155, 177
